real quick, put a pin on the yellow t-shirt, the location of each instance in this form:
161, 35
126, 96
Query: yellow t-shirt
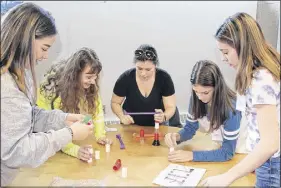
98, 120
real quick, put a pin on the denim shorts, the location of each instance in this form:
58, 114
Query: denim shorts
268, 174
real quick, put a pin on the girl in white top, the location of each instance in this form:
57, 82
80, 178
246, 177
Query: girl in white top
244, 48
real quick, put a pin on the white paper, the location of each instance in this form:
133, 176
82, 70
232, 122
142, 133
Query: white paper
110, 129
179, 175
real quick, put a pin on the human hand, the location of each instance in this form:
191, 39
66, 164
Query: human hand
127, 120
180, 156
171, 139
104, 140
72, 118
84, 153
222, 180
81, 130
159, 116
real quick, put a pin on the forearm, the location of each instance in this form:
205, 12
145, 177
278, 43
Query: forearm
227, 149
98, 119
169, 112
188, 131
33, 149
46, 120
99, 129
117, 110
262, 152
218, 155
71, 149
268, 144
19, 146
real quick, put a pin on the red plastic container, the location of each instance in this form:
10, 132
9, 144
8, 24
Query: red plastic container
117, 165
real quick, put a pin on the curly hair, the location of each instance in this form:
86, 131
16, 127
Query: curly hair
63, 80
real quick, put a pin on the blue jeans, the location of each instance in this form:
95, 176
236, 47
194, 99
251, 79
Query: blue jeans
268, 174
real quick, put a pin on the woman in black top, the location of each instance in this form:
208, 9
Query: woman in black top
144, 88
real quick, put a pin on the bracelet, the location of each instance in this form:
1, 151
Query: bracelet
70, 130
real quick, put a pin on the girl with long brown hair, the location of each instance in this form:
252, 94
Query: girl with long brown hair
211, 110
72, 85
243, 46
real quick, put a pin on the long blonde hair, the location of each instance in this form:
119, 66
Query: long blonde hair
19, 29
243, 33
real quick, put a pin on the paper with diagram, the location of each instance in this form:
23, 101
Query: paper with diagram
179, 175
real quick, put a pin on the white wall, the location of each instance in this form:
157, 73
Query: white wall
182, 33
268, 16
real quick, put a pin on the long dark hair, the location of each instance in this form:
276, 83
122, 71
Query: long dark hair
207, 73
21, 26
63, 80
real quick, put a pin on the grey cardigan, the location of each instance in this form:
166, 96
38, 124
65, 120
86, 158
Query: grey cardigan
29, 135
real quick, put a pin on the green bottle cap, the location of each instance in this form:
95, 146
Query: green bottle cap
87, 119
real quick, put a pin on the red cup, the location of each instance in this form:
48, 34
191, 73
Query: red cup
117, 165
141, 133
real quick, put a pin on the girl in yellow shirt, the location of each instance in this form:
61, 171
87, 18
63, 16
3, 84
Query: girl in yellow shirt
72, 86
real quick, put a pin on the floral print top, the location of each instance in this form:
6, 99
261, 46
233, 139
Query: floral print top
264, 89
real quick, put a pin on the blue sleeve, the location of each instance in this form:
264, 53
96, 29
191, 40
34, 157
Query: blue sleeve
230, 136
190, 128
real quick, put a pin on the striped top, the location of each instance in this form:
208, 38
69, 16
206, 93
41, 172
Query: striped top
227, 134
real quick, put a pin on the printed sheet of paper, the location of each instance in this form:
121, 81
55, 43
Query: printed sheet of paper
57, 181
179, 175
